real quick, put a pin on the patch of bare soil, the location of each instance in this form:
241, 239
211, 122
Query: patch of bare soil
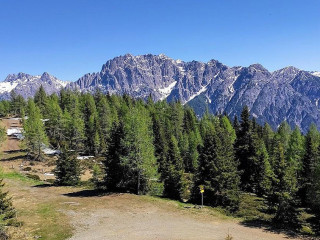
133, 217
11, 144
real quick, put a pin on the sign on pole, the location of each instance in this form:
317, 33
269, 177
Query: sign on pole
201, 191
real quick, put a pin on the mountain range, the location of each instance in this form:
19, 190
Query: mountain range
287, 94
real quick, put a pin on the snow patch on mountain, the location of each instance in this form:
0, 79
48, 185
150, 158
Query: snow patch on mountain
7, 86
204, 88
167, 90
317, 74
26, 85
62, 83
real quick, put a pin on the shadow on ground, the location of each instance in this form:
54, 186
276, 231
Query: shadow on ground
12, 158
82, 193
15, 151
268, 227
88, 193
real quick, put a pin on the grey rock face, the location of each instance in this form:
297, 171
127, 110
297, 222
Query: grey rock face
287, 94
158, 75
27, 85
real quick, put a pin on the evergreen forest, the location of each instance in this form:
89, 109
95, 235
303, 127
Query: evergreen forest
164, 149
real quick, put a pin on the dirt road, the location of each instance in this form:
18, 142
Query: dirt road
11, 144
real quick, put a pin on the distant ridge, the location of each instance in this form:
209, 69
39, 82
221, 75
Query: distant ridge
287, 94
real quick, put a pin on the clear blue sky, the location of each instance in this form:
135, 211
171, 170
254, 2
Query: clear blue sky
69, 38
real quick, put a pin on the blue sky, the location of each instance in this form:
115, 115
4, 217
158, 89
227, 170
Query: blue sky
69, 38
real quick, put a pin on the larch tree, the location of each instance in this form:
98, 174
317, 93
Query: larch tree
139, 163
40, 99
34, 131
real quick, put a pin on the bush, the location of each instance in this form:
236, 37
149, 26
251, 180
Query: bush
156, 188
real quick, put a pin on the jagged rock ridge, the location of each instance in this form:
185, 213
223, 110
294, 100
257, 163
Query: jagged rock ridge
287, 94
27, 85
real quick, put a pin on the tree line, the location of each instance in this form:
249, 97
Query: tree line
162, 147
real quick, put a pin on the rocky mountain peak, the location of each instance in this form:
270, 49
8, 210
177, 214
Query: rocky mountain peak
26, 85
14, 77
287, 94
258, 67
45, 75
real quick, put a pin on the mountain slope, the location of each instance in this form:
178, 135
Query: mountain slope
27, 85
287, 94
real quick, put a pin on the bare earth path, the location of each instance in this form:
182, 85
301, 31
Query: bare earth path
11, 143
140, 218
121, 216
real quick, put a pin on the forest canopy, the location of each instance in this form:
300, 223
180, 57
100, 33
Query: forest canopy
164, 148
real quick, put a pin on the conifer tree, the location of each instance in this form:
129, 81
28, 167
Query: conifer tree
189, 121
217, 170
90, 123
267, 135
295, 150
105, 119
40, 99
7, 211
310, 160
176, 117
114, 171
174, 182
245, 151
17, 103
226, 125
264, 174
4, 108
192, 154
54, 125
283, 197
284, 132
160, 141
73, 125
139, 163
34, 130
236, 125
67, 169
313, 195
96, 144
